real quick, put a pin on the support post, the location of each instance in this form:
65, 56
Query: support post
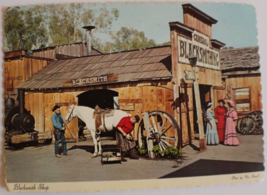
202, 140
148, 135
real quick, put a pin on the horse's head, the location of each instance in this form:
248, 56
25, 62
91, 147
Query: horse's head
71, 114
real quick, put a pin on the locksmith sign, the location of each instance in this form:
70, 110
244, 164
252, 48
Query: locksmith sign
91, 80
199, 46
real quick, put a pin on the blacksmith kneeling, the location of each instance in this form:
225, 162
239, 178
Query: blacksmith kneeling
59, 131
125, 138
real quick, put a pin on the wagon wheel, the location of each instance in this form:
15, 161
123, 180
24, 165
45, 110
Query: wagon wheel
246, 125
259, 122
165, 130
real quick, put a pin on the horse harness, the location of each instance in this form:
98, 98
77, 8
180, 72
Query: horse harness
70, 114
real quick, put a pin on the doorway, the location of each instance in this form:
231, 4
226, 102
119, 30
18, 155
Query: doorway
104, 98
205, 97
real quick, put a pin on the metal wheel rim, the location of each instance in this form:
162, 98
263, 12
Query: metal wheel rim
162, 144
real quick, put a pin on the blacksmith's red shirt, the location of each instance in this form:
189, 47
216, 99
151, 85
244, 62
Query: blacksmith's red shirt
125, 124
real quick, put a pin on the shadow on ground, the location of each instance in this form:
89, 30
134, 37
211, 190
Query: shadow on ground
90, 149
215, 167
21, 146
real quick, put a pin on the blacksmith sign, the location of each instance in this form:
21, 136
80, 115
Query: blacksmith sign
199, 46
91, 80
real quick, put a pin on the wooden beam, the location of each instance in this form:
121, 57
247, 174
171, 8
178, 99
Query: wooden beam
14, 53
130, 100
148, 135
202, 140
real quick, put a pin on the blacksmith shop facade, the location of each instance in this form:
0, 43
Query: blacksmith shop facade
159, 78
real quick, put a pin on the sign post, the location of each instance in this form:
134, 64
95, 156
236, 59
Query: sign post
202, 140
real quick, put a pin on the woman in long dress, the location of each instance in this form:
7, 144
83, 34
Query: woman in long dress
230, 132
211, 129
220, 112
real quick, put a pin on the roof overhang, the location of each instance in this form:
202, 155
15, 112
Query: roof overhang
188, 8
217, 44
180, 27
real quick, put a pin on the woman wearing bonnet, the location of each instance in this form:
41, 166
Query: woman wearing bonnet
211, 129
230, 131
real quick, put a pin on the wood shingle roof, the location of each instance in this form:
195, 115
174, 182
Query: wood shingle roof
240, 58
149, 64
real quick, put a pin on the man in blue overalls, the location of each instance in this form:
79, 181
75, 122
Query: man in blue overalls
59, 131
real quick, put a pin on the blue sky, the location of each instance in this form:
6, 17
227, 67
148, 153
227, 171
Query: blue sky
236, 24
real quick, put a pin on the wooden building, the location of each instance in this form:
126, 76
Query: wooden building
137, 81
194, 38
64, 51
159, 78
241, 78
18, 67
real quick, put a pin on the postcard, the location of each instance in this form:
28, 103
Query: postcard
121, 96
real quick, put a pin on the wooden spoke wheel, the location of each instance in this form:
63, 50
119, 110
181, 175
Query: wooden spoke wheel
246, 125
259, 122
164, 128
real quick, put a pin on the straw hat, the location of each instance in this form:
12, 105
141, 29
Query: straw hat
230, 103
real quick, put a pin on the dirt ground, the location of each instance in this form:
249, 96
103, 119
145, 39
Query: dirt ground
39, 164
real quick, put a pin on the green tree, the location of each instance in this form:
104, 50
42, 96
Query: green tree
24, 29
228, 47
128, 39
67, 20
165, 43
57, 24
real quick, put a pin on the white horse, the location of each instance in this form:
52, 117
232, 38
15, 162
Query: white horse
86, 115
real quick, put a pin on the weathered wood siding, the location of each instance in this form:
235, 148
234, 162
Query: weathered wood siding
46, 53
77, 49
232, 83
73, 49
142, 97
34, 102
253, 83
18, 70
206, 77
198, 24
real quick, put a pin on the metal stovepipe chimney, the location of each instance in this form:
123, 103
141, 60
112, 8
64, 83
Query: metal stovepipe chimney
89, 38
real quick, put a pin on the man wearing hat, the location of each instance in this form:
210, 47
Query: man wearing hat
59, 131
124, 136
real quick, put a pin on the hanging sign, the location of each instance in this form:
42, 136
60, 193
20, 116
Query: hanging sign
91, 80
189, 74
199, 46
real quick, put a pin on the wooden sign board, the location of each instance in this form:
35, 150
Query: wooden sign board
127, 106
91, 80
198, 46
189, 75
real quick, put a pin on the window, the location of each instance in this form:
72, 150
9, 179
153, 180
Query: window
242, 97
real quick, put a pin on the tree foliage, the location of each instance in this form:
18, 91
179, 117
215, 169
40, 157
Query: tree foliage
126, 39
57, 24
67, 20
24, 28
228, 47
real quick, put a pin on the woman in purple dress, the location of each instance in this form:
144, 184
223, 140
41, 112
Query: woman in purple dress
230, 132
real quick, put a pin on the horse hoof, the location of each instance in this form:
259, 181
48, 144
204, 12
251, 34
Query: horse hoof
99, 154
94, 156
